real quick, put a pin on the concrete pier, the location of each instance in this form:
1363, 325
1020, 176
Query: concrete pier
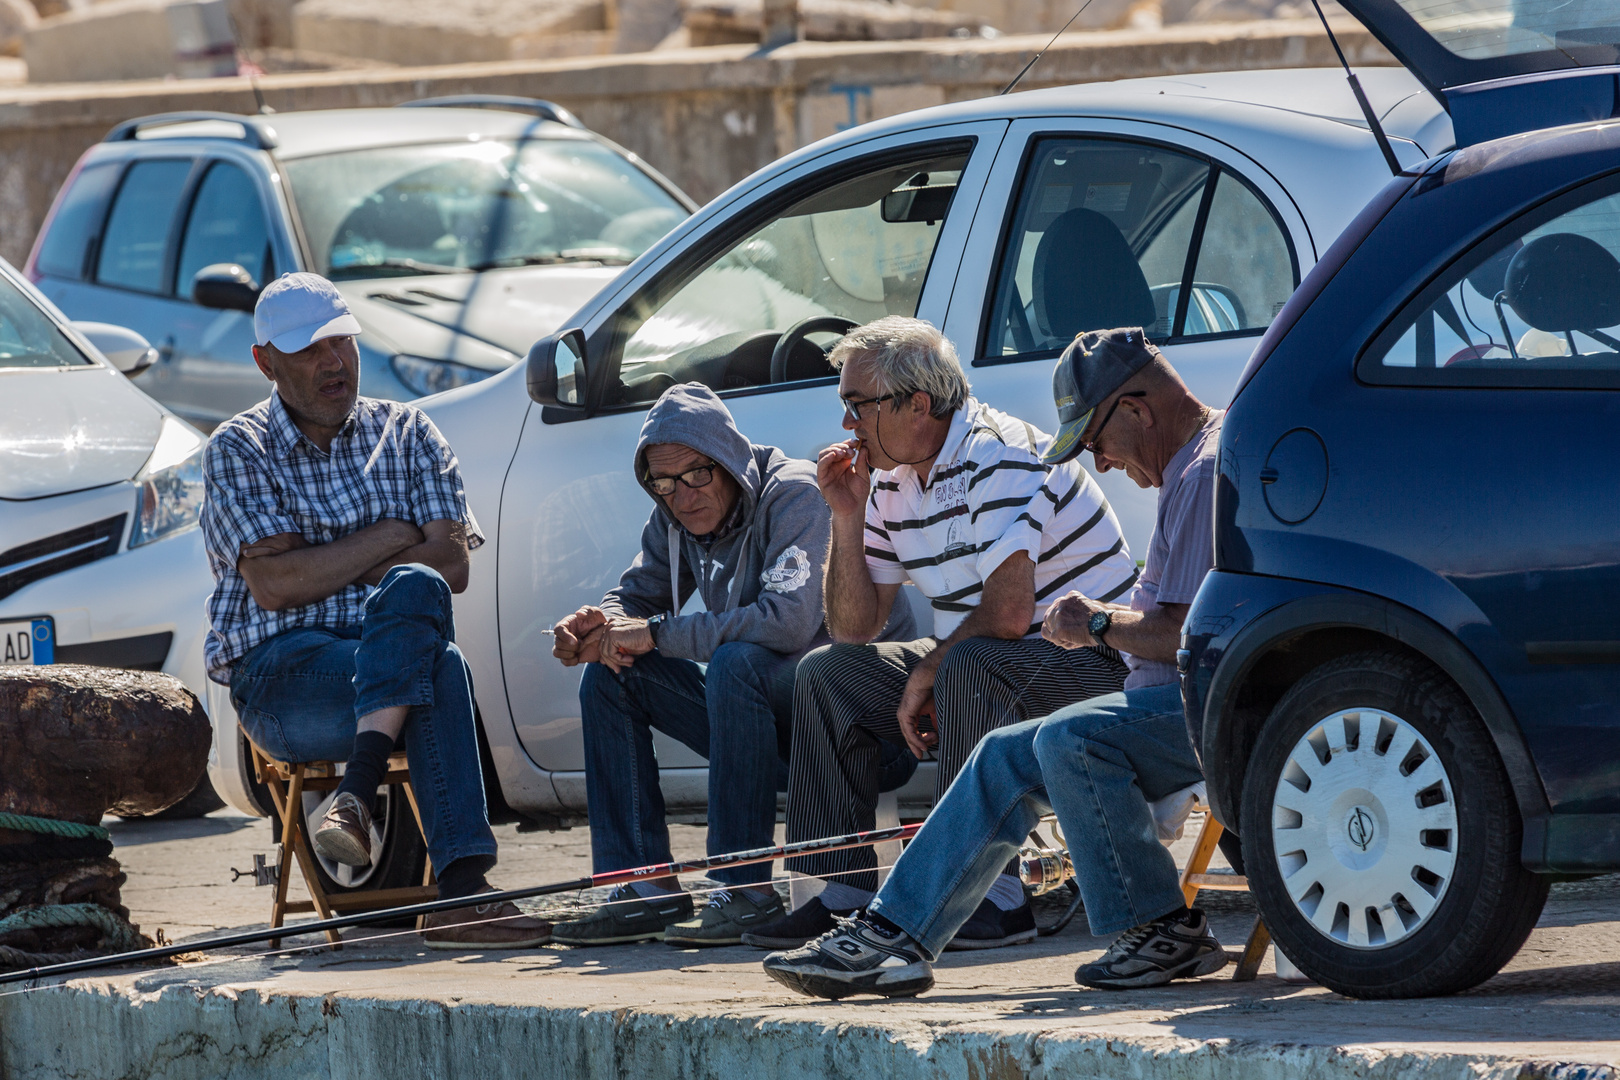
384, 1006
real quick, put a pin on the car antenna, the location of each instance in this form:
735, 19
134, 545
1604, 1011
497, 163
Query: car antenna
1361, 97
252, 71
1037, 56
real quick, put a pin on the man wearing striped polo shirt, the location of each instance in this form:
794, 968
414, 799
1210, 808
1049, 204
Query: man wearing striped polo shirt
961, 505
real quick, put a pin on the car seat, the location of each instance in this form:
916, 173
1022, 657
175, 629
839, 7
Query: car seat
1565, 282
1087, 278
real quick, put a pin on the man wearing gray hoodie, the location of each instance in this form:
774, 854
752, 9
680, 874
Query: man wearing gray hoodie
746, 527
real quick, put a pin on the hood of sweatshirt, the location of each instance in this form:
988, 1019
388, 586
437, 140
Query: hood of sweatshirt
693, 415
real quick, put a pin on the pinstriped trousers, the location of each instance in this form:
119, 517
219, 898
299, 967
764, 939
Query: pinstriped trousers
844, 701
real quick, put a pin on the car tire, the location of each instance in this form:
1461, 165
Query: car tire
1432, 866
398, 852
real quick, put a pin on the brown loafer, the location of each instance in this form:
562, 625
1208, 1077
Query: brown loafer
345, 832
484, 926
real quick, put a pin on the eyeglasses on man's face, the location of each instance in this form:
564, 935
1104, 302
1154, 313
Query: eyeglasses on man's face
1090, 445
699, 477
853, 406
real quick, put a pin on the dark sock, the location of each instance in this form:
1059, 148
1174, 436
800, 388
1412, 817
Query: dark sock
883, 924
465, 876
367, 765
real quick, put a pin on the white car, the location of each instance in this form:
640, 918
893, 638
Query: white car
1189, 205
101, 560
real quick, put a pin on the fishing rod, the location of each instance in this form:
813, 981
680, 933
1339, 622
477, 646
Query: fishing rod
612, 877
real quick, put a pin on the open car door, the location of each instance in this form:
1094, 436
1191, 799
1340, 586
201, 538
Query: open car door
1501, 67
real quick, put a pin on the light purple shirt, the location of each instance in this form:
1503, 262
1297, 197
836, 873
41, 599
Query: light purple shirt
1182, 550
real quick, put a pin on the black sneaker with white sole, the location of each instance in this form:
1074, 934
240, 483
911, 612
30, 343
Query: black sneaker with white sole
627, 916
992, 928
808, 921
1176, 946
856, 958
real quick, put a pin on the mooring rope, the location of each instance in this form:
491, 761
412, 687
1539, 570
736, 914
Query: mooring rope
53, 827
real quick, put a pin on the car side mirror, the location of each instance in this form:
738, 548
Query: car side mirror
128, 351
225, 286
557, 370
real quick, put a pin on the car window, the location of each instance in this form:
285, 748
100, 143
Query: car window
851, 252
1535, 304
63, 248
1105, 233
476, 205
1099, 239
28, 338
227, 225
1245, 269
136, 241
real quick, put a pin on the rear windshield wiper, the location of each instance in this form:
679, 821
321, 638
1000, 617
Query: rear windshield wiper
411, 266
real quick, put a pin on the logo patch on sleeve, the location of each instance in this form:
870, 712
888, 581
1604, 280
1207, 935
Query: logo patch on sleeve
792, 571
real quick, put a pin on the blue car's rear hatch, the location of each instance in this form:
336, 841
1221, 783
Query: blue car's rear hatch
1505, 66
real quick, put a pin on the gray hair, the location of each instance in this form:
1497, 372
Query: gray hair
907, 355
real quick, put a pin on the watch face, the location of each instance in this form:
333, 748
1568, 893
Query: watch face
1099, 623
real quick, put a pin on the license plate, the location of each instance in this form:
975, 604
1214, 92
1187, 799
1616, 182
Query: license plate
27, 641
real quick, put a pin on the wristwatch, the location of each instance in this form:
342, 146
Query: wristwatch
1099, 624
652, 626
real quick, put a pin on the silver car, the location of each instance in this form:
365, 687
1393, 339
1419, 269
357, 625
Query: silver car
458, 232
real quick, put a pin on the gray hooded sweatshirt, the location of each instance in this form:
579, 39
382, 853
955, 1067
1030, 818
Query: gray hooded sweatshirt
760, 572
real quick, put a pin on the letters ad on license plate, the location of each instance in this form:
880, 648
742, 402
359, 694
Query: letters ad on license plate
27, 641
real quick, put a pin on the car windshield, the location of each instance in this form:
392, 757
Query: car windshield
459, 207
28, 338
1587, 31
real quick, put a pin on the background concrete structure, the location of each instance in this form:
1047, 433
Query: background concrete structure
706, 117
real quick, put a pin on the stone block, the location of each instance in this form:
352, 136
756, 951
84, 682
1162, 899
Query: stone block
80, 742
428, 32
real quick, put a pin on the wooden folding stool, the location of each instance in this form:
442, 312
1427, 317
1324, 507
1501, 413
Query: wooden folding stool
287, 783
1197, 876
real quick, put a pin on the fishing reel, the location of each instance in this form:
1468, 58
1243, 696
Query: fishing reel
1043, 868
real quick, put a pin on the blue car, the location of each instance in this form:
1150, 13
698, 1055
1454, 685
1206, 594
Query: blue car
1403, 675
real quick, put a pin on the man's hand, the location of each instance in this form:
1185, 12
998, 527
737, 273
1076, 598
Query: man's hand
917, 703
845, 477
622, 640
279, 544
578, 637
1067, 622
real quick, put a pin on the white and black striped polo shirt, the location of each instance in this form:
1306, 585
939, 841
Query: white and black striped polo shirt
989, 496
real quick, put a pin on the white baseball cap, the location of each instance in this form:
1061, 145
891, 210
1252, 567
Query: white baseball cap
296, 310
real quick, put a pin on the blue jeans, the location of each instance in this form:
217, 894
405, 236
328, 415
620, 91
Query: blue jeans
1096, 764
728, 716
301, 693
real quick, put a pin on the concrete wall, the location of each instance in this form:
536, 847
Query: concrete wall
706, 117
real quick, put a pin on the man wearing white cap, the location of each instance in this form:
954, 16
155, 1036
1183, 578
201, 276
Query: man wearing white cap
337, 528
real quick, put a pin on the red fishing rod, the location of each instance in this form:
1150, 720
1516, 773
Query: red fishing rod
614, 877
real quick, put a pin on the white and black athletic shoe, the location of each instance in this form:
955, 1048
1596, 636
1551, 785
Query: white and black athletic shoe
1176, 946
856, 958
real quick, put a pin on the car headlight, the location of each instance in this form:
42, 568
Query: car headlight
423, 377
169, 493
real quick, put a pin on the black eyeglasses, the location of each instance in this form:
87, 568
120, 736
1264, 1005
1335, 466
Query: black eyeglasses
1091, 444
702, 476
853, 406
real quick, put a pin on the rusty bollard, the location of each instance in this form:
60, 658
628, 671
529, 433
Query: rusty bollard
76, 743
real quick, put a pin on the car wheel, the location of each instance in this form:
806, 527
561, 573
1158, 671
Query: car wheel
1380, 833
398, 853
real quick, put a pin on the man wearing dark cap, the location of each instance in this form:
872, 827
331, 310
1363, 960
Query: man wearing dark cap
1097, 764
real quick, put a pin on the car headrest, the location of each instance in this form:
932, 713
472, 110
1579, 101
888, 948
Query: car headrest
1087, 278
1564, 281
405, 221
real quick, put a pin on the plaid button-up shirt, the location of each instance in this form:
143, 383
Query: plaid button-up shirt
265, 477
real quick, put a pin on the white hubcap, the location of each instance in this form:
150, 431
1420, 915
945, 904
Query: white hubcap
1365, 828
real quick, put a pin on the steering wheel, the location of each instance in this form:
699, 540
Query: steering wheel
798, 332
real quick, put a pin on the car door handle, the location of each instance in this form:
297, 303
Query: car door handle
1268, 475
